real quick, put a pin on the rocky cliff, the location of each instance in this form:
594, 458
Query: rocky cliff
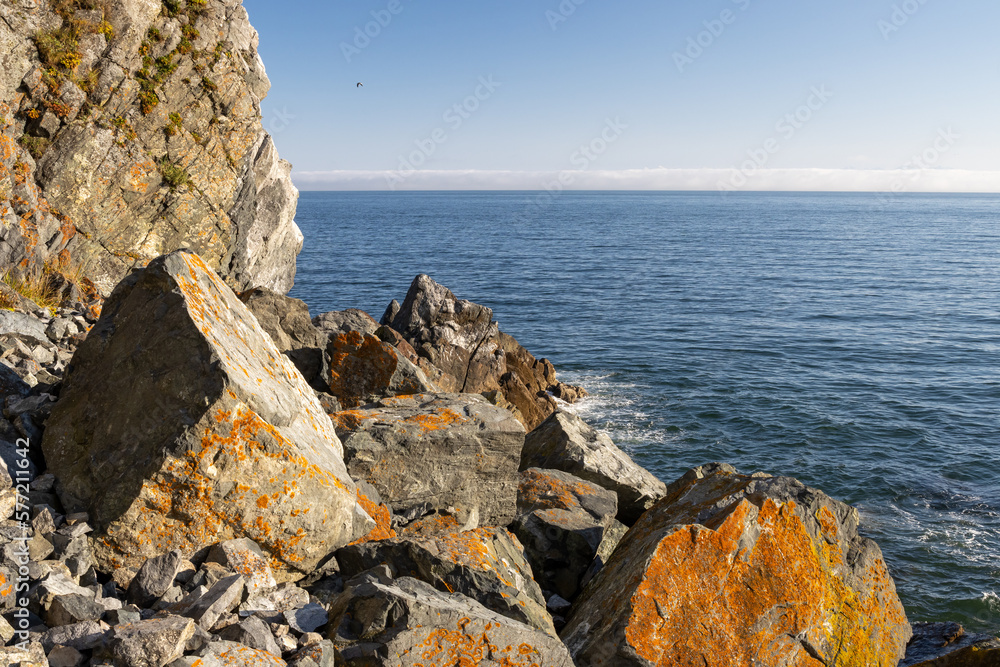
131, 128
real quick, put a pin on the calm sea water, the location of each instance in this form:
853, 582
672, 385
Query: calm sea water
846, 340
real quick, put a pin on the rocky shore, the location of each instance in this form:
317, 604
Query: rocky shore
205, 477
195, 472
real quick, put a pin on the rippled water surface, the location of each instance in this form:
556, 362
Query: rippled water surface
847, 340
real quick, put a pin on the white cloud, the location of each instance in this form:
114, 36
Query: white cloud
804, 180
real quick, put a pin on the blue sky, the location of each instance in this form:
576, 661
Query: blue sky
739, 94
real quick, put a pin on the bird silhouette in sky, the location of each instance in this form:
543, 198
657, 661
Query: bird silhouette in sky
360, 85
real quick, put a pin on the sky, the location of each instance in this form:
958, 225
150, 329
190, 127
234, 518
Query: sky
879, 95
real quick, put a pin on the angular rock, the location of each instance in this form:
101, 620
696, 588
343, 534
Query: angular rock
155, 578
565, 442
222, 598
419, 625
181, 424
346, 321
442, 450
307, 619
32, 656
73, 608
54, 585
244, 557
254, 633
151, 643
562, 523
83, 636
461, 339
231, 654
948, 645
364, 369
486, 565
321, 654
736, 569
287, 321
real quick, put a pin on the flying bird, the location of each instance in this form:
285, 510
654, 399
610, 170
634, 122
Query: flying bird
360, 85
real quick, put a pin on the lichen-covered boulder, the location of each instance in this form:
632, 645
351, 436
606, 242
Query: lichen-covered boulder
461, 339
436, 452
408, 623
487, 565
563, 522
566, 442
731, 569
364, 368
181, 425
287, 321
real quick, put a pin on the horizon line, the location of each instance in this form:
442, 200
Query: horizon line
887, 181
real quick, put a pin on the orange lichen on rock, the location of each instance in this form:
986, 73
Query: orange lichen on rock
432, 525
540, 491
469, 645
383, 520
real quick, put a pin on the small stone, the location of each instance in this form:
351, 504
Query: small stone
558, 605
73, 608
310, 638
222, 598
244, 557
151, 643
65, 656
254, 633
44, 483
81, 636
155, 578
317, 654
78, 517
122, 616
307, 619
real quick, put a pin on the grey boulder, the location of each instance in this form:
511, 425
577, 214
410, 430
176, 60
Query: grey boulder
565, 442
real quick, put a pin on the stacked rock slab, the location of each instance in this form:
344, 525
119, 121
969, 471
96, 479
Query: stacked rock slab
180, 425
563, 523
436, 452
486, 565
741, 570
566, 442
461, 339
410, 623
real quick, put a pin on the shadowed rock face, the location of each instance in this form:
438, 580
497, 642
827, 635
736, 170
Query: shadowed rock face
741, 570
460, 339
418, 625
180, 425
107, 160
486, 564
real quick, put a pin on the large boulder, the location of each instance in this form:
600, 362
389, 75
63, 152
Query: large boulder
436, 452
741, 570
487, 565
566, 442
461, 339
181, 425
287, 321
408, 623
563, 522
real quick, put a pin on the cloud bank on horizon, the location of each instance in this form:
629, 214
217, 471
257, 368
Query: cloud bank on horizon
770, 180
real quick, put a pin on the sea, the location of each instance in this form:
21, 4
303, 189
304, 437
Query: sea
849, 340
